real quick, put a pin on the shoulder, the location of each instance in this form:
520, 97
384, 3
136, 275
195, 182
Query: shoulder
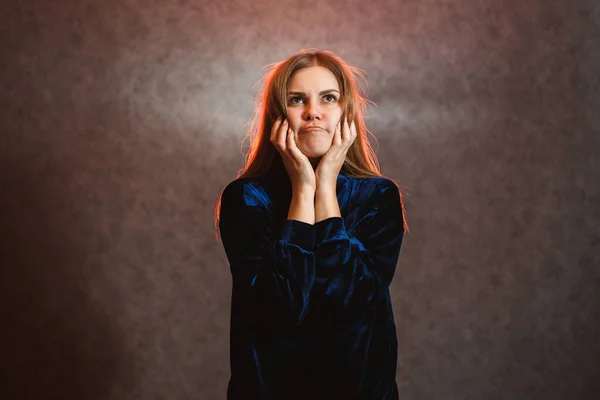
381, 184
374, 188
246, 192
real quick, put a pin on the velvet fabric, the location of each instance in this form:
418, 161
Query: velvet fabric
311, 314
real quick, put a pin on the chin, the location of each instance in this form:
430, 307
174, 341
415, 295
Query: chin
313, 153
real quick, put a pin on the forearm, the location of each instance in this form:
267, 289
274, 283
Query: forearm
326, 204
302, 206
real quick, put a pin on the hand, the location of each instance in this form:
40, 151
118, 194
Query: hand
331, 163
297, 164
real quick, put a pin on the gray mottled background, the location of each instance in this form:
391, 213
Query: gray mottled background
121, 121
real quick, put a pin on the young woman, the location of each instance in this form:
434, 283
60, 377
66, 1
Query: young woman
312, 232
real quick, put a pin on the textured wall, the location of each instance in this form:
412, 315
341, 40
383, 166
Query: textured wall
121, 121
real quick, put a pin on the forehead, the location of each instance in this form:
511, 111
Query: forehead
317, 78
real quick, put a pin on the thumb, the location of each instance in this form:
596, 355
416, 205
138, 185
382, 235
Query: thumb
293, 148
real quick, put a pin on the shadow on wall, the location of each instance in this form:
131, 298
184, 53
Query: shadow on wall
55, 342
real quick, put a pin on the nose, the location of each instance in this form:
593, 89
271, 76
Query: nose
312, 110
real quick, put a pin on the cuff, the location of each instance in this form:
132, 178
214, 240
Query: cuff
330, 228
299, 233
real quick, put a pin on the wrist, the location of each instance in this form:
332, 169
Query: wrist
326, 204
324, 189
304, 192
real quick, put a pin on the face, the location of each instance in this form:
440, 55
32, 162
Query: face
314, 100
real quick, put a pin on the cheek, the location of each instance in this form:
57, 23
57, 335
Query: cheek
336, 119
294, 121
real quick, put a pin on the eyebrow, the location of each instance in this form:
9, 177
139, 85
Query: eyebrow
320, 93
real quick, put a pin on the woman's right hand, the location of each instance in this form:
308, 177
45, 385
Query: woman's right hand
297, 164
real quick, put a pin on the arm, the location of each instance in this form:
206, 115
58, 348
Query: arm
326, 203
302, 207
355, 264
272, 266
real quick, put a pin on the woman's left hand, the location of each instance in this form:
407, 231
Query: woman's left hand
331, 162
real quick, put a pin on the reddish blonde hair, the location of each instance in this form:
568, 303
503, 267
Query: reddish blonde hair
361, 161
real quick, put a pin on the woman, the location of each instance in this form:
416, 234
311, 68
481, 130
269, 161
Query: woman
312, 232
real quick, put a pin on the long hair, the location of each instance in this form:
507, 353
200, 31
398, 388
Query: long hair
360, 162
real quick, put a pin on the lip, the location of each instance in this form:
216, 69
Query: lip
311, 128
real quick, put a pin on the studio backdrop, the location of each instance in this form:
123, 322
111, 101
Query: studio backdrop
122, 121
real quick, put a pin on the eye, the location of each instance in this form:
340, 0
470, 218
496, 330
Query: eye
327, 96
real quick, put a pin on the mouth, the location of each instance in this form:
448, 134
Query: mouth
312, 129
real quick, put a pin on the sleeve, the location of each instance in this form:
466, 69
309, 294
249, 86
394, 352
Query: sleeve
355, 266
272, 267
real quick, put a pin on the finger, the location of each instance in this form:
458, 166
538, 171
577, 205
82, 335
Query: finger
282, 134
291, 145
346, 130
348, 135
336, 134
274, 129
343, 131
277, 140
290, 141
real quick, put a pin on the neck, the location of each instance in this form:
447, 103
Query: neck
314, 162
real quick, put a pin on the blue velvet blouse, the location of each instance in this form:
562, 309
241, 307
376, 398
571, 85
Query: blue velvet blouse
311, 315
